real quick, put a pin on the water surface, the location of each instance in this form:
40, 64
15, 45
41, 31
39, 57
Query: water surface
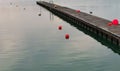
29, 42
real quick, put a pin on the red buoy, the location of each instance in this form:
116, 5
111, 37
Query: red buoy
78, 11
60, 27
115, 22
110, 24
67, 36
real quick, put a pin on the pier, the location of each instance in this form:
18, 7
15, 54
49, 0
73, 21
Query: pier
89, 22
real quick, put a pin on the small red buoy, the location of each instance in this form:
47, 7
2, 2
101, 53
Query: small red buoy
110, 24
115, 22
78, 11
60, 27
67, 36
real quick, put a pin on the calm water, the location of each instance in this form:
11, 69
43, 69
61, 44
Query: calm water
29, 42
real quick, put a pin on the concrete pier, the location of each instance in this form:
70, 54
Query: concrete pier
89, 22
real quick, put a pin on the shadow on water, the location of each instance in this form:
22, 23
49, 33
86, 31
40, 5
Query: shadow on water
103, 41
